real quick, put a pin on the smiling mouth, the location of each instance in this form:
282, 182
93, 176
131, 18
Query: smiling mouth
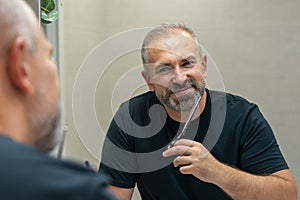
183, 91
179, 90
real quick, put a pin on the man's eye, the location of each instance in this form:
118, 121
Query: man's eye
163, 70
188, 63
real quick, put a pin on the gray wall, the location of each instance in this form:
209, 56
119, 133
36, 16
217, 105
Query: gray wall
255, 44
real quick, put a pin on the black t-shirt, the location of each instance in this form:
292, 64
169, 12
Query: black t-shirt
233, 129
26, 173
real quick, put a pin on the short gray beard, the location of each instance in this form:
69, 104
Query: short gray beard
183, 103
48, 136
45, 129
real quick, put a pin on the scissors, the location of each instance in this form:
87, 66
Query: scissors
192, 112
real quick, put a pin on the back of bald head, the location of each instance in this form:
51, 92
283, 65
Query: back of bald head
16, 20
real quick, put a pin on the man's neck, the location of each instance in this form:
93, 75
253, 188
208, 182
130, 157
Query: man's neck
14, 121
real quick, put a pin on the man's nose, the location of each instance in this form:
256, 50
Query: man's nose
178, 76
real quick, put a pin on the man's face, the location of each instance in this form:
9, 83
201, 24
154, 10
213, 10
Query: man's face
45, 100
175, 71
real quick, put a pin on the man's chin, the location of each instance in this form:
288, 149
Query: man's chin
181, 106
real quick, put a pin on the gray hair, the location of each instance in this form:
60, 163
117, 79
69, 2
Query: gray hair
15, 22
162, 31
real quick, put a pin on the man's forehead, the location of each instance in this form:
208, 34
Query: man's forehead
177, 43
165, 55
180, 52
171, 39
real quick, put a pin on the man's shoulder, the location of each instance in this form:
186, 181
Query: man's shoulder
234, 105
231, 99
14, 153
146, 96
33, 174
10, 148
29, 161
143, 100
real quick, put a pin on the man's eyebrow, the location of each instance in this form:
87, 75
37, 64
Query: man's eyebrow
189, 58
162, 64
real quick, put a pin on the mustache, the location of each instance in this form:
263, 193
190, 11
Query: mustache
175, 86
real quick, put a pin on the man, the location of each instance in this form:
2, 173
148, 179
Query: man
240, 160
29, 110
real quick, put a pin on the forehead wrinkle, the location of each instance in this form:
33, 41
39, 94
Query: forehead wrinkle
174, 45
166, 56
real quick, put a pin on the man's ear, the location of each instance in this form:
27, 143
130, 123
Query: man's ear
147, 79
18, 68
204, 64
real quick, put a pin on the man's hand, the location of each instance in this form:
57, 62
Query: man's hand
193, 158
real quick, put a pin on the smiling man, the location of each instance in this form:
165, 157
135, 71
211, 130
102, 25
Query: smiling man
244, 161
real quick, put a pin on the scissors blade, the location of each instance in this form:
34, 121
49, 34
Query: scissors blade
187, 123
